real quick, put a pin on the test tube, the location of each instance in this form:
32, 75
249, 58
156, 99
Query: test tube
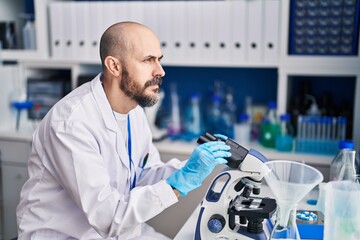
318, 128
342, 128
312, 127
323, 127
301, 133
333, 128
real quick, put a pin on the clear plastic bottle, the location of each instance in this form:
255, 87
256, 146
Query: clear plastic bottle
357, 167
242, 130
284, 141
343, 165
193, 116
229, 114
270, 127
213, 117
29, 35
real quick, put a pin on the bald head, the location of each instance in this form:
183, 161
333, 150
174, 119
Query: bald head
117, 40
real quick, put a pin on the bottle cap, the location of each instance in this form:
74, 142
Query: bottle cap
195, 95
346, 144
271, 105
285, 117
342, 120
244, 117
216, 98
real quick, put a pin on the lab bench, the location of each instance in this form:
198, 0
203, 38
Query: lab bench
15, 148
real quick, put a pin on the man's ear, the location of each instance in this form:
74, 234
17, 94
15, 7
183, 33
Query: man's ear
113, 65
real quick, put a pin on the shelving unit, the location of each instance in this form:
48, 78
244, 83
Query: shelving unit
287, 65
41, 60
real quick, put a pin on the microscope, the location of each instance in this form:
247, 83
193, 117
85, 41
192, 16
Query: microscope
228, 211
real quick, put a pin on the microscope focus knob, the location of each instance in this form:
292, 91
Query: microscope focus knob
216, 223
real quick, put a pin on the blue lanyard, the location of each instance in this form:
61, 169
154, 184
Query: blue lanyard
131, 163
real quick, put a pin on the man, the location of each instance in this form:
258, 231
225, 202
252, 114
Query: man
93, 170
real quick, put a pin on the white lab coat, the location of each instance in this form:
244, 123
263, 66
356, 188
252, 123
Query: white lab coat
79, 173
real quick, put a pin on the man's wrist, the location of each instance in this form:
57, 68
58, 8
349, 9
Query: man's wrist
177, 193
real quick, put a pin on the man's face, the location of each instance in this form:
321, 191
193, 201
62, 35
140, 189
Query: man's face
146, 95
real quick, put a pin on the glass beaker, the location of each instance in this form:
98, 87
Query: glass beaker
290, 182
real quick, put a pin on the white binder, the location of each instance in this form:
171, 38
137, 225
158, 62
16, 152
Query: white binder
177, 47
80, 16
223, 31
110, 14
136, 11
238, 37
56, 29
208, 23
120, 11
96, 28
193, 31
165, 29
255, 31
151, 18
271, 30
68, 35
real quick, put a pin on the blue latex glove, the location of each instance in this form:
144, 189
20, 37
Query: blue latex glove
222, 137
201, 163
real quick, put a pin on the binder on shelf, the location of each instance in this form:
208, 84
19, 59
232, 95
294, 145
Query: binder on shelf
193, 31
68, 34
110, 13
80, 16
136, 11
223, 31
151, 18
120, 11
96, 28
254, 31
165, 29
208, 21
56, 29
178, 32
238, 26
271, 30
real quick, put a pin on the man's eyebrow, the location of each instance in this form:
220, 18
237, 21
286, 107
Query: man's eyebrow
154, 57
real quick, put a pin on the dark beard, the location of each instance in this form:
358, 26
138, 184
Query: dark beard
137, 92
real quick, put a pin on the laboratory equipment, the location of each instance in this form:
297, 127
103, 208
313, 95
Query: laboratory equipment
284, 141
46, 91
229, 114
290, 182
242, 130
193, 117
19, 101
174, 127
214, 120
270, 127
28, 32
342, 213
342, 166
228, 210
319, 134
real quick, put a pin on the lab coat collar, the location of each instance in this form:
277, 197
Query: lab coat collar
109, 119
103, 104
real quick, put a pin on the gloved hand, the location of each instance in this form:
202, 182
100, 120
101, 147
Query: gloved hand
201, 163
222, 137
